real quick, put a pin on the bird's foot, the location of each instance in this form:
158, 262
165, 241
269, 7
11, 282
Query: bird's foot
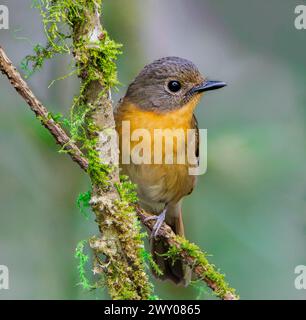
159, 221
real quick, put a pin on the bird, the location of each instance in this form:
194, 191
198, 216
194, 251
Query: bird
163, 96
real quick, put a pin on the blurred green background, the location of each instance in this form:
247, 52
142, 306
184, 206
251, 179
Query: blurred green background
248, 210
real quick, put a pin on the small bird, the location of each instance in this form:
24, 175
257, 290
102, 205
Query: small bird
163, 96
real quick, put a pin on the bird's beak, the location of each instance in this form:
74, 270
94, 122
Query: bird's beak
209, 85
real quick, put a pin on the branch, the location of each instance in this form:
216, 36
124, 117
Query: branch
193, 257
119, 241
190, 254
40, 111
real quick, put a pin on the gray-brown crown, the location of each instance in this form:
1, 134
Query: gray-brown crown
150, 89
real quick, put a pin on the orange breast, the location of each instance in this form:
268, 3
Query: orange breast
158, 182
150, 121
179, 118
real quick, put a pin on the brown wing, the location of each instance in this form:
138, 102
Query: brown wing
194, 125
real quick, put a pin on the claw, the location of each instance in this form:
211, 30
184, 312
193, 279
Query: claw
159, 221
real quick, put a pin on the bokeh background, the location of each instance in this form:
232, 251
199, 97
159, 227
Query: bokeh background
248, 210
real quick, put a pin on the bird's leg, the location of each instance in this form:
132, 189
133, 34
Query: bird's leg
159, 221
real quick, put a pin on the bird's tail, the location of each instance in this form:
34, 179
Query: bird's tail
173, 270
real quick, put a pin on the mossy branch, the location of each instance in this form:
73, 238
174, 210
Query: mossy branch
118, 250
193, 256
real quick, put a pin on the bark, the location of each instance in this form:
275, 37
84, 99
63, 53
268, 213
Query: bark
119, 241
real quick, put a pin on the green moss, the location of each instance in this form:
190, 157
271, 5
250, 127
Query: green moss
148, 257
127, 190
100, 57
31, 63
83, 260
222, 288
83, 203
56, 16
98, 172
59, 118
173, 253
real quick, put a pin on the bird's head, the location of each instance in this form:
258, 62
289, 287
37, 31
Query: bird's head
168, 84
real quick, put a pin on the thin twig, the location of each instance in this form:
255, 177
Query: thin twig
40, 111
63, 140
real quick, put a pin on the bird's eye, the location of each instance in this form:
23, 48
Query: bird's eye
174, 86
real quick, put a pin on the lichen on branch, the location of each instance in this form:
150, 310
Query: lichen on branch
120, 242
